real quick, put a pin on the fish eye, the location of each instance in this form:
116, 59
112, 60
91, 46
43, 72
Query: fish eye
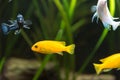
36, 46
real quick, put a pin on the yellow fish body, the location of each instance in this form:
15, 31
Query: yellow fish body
50, 47
108, 63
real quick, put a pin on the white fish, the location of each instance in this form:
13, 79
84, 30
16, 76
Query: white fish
103, 13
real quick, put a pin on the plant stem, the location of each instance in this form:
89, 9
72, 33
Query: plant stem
65, 19
72, 8
40, 17
25, 36
38, 73
102, 37
2, 63
112, 7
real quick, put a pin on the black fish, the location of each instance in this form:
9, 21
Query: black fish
15, 25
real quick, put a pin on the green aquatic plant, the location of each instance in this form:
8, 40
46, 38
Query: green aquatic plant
100, 40
64, 18
9, 43
64, 25
54, 20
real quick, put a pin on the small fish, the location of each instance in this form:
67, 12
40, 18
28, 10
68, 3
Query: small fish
22, 23
6, 28
103, 13
50, 47
108, 63
15, 25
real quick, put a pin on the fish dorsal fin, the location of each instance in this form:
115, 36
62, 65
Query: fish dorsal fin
109, 57
102, 60
61, 42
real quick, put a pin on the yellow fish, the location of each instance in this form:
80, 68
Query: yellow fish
108, 63
50, 47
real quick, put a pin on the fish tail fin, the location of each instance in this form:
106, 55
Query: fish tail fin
97, 68
70, 49
115, 25
5, 28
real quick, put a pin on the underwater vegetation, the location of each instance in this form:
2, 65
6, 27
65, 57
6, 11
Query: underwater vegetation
40, 30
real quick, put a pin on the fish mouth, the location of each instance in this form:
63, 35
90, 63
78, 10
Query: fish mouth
32, 48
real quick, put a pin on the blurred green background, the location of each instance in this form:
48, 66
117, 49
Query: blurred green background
66, 20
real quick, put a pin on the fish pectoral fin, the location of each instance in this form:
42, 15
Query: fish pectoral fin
27, 22
11, 21
60, 53
107, 26
118, 68
106, 70
26, 26
62, 42
17, 32
94, 16
93, 8
114, 18
102, 60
